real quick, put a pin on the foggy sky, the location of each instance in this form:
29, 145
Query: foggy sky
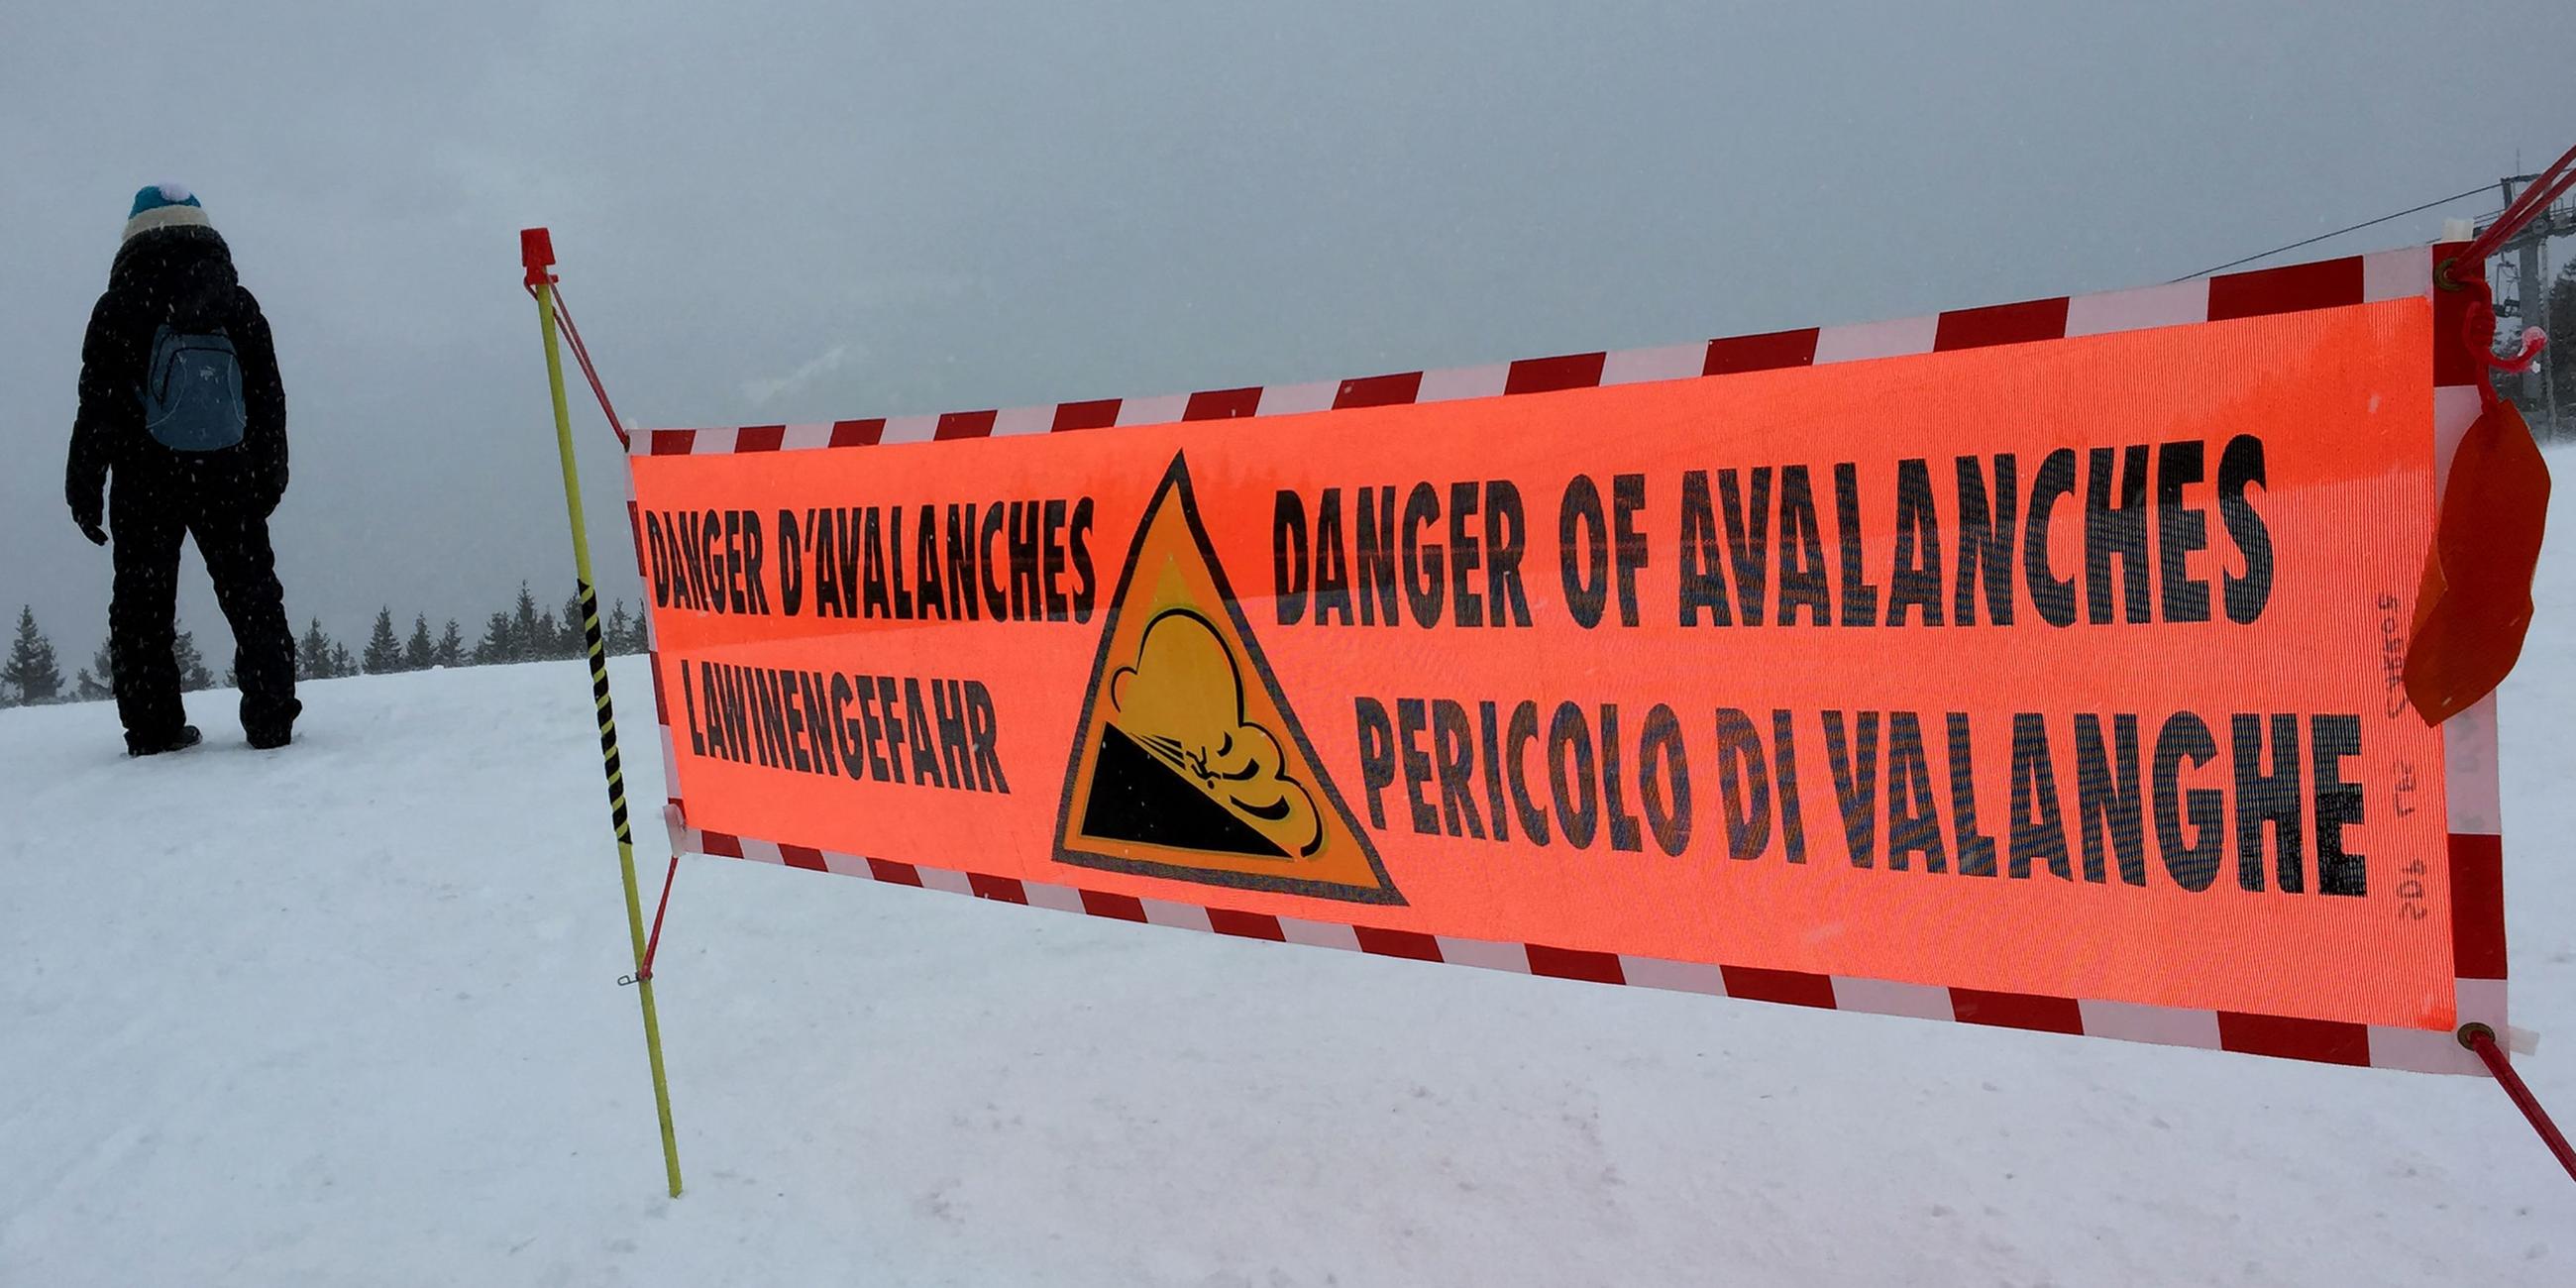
809, 211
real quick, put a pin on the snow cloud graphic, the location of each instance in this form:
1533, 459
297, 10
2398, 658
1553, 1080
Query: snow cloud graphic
1183, 700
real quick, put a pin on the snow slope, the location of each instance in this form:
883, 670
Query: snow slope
347, 1015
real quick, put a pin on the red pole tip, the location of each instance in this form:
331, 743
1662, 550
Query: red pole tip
537, 254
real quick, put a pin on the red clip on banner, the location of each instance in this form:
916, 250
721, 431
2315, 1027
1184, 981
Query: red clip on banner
2038, 666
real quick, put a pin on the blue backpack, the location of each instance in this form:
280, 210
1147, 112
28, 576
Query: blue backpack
192, 392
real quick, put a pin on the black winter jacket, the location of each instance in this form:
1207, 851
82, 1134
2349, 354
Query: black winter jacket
182, 276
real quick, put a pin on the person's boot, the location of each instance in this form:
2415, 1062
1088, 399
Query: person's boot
186, 737
268, 724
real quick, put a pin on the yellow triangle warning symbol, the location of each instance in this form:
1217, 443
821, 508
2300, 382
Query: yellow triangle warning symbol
1188, 763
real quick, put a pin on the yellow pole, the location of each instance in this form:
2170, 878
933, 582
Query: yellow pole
544, 285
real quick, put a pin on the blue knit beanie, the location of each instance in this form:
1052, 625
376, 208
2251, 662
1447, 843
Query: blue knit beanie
165, 205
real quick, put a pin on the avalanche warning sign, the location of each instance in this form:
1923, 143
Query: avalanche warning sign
2050, 655
1188, 763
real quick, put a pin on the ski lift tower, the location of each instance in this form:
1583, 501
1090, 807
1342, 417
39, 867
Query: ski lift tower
2530, 295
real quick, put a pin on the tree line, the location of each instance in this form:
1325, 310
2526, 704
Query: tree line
33, 675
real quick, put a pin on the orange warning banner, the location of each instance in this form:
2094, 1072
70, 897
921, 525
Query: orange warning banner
2067, 669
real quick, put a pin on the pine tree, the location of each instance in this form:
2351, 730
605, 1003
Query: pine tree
575, 639
2556, 367
384, 648
451, 647
313, 654
2559, 360
530, 638
342, 664
496, 647
548, 640
619, 632
419, 654
99, 681
32, 676
193, 675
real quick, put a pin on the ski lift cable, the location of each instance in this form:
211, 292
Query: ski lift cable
2367, 223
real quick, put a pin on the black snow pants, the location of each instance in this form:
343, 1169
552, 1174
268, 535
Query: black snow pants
231, 531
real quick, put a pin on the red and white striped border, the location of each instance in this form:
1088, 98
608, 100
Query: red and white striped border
2324, 1041
2469, 740
2327, 283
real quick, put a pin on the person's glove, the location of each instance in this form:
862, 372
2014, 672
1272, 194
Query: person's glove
91, 516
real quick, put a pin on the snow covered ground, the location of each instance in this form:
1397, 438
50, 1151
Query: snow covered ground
347, 1015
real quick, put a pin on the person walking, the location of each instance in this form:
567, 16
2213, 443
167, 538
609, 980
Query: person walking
181, 402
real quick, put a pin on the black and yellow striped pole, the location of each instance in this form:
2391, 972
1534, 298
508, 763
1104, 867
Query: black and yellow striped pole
536, 250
